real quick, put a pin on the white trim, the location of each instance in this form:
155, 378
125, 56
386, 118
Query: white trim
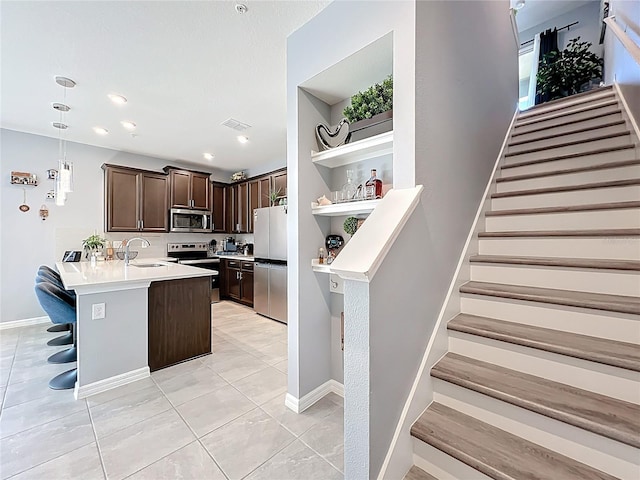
623, 38
514, 26
300, 405
111, 382
24, 323
623, 100
463, 258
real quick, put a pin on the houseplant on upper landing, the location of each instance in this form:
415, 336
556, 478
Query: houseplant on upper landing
561, 74
92, 244
371, 107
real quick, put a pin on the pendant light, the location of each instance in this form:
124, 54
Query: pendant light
64, 182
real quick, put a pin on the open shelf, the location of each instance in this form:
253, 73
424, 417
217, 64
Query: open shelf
347, 208
324, 268
367, 148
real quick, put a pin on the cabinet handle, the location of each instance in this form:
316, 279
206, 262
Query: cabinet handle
141, 224
240, 276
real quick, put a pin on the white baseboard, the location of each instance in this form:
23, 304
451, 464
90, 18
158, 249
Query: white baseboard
299, 405
111, 382
24, 323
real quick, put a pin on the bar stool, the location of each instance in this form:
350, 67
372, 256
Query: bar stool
53, 300
54, 276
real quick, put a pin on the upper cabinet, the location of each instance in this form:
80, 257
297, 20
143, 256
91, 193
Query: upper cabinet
189, 189
219, 207
279, 183
136, 200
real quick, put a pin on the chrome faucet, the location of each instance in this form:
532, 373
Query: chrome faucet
126, 247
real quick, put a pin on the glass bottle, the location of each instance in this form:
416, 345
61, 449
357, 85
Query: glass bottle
374, 186
349, 189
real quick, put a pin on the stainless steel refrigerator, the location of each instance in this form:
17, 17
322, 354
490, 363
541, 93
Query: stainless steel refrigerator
270, 268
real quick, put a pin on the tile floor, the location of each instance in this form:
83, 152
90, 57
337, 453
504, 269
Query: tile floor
218, 417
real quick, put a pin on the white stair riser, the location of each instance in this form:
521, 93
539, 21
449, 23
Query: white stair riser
588, 220
441, 465
575, 162
573, 197
527, 125
569, 149
564, 128
545, 142
595, 323
602, 453
618, 248
564, 180
583, 280
567, 105
594, 377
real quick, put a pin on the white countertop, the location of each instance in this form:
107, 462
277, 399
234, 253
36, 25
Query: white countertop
114, 275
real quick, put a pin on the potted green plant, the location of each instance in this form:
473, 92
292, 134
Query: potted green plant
561, 74
350, 225
372, 107
92, 244
273, 196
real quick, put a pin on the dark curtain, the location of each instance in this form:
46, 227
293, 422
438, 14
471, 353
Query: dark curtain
548, 44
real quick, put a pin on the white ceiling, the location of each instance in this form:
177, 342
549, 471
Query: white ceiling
184, 66
536, 12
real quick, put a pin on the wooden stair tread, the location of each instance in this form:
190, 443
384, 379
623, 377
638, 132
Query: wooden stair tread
596, 151
620, 232
416, 473
566, 171
595, 349
597, 301
560, 101
595, 263
564, 209
612, 123
555, 115
569, 188
569, 143
494, 452
596, 413
572, 122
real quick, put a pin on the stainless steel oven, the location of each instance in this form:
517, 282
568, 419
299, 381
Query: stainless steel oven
196, 255
195, 221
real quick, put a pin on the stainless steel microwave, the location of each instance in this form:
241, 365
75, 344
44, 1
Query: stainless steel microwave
183, 220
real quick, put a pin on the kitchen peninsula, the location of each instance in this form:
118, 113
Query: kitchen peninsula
135, 318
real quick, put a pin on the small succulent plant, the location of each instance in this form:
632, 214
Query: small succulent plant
374, 100
350, 225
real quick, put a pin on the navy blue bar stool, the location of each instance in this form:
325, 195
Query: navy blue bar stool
53, 300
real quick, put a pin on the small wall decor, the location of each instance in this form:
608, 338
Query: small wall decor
24, 178
44, 212
51, 195
24, 207
52, 174
328, 139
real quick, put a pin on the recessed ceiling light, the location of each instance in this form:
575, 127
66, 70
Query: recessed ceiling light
100, 130
241, 8
243, 139
117, 99
208, 156
128, 125
519, 4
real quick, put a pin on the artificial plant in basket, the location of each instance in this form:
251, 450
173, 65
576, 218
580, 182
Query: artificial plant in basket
561, 74
376, 99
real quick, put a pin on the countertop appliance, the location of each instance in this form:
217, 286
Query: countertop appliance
270, 267
229, 244
197, 255
194, 221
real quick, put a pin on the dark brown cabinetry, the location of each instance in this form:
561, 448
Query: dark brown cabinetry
237, 281
189, 189
239, 208
179, 321
219, 207
259, 196
279, 183
136, 200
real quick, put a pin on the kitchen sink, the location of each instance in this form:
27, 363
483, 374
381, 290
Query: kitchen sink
147, 265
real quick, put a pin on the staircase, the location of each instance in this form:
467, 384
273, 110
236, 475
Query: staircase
542, 376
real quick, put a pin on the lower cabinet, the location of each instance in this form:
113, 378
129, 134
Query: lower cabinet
179, 321
237, 281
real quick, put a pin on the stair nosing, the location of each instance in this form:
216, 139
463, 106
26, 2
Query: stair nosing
569, 188
586, 119
569, 171
554, 296
567, 209
612, 123
559, 341
512, 443
559, 101
567, 156
562, 262
527, 121
619, 232
541, 407
569, 143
